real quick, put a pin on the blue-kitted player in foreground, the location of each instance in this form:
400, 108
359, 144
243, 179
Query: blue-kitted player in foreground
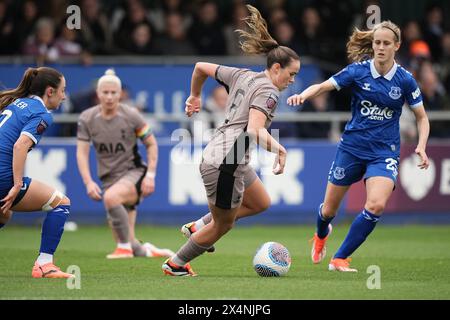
24, 117
370, 145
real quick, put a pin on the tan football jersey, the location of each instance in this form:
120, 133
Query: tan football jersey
114, 140
228, 149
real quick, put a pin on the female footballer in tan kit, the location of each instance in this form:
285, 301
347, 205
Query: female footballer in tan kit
232, 187
113, 129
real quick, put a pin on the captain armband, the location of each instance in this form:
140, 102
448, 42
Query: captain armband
143, 132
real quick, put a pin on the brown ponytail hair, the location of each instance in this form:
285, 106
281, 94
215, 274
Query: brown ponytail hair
359, 45
258, 40
34, 82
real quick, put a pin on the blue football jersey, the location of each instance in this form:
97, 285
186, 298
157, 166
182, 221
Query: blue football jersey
376, 105
27, 116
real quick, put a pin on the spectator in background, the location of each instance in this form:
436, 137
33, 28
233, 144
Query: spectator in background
268, 6
125, 98
231, 36
312, 39
95, 28
445, 63
433, 97
284, 33
276, 16
6, 29
206, 31
411, 33
433, 29
68, 45
56, 9
24, 24
419, 54
432, 89
158, 16
336, 18
142, 42
174, 39
41, 44
316, 130
136, 15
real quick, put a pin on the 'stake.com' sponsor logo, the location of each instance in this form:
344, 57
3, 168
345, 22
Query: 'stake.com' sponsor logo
373, 112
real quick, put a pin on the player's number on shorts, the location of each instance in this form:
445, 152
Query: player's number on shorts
7, 114
391, 165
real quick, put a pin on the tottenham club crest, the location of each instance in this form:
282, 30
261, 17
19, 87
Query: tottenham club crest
339, 173
395, 93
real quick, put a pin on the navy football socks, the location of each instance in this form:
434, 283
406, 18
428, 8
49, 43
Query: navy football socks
322, 224
361, 227
53, 228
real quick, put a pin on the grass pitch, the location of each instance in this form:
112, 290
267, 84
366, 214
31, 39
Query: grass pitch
414, 263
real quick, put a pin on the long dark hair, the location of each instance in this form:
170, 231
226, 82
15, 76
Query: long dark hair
34, 82
258, 40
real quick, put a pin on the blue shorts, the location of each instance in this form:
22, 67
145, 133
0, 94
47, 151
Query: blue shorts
347, 169
4, 189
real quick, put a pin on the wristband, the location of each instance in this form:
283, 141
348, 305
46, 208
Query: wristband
150, 174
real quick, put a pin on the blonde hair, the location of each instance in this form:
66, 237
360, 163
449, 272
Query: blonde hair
258, 40
110, 76
359, 45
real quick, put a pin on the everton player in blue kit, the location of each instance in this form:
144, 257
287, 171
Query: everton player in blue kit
370, 145
24, 117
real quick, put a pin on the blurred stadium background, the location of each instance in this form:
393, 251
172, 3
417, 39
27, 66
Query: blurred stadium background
153, 46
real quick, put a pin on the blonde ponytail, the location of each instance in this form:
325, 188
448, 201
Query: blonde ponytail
359, 45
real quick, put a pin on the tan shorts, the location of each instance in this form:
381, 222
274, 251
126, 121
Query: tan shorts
224, 190
135, 176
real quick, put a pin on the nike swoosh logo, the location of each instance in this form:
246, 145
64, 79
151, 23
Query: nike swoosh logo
24, 187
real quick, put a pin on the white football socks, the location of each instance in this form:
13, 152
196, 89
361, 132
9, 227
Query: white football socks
44, 258
126, 246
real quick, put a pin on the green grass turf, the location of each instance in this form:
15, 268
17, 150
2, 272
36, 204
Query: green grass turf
414, 263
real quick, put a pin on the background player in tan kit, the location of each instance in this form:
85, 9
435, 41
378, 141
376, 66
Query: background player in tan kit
229, 180
114, 129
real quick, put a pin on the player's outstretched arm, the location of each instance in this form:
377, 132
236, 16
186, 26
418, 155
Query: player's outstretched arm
202, 71
310, 92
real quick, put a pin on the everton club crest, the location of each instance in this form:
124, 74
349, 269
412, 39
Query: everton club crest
395, 93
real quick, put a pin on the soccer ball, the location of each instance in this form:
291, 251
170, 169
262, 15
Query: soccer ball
272, 259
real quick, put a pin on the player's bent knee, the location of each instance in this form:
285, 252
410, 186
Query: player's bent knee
375, 207
111, 200
55, 200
